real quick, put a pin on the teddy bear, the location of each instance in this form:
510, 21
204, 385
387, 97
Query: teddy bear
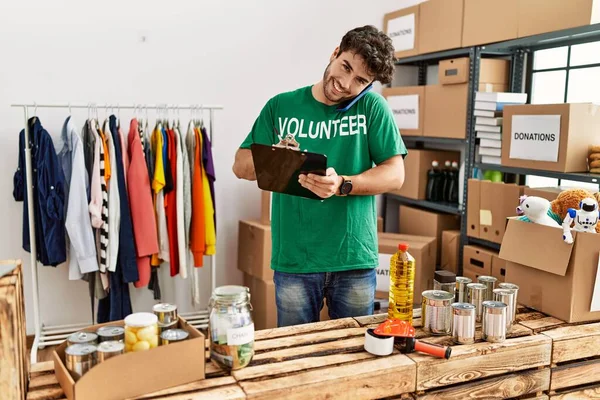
571, 199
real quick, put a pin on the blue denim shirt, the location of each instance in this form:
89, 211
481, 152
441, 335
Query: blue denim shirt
48, 195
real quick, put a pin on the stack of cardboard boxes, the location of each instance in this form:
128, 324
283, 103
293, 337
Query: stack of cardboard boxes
437, 25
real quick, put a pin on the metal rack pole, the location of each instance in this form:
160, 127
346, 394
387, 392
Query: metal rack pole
52, 335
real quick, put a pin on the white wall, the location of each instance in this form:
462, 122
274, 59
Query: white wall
159, 52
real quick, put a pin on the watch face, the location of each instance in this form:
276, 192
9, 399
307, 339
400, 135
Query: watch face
346, 187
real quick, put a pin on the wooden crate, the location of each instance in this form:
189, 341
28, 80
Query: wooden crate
14, 360
575, 359
324, 360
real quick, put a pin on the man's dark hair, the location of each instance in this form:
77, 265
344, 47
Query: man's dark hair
375, 47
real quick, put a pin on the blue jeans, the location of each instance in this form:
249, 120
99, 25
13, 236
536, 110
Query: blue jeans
299, 297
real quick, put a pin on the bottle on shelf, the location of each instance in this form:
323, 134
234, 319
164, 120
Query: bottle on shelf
433, 182
402, 284
453, 186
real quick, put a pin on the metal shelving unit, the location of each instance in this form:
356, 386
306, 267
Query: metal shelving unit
519, 51
448, 208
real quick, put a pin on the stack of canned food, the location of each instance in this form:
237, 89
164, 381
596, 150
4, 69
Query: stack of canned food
142, 331
456, 304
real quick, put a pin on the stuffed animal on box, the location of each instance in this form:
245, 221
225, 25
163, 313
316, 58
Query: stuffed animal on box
571, 198
536, 210
584, 219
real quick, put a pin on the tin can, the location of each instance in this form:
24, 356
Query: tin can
436, 312
173, 336
166, 313
163, 328
109, 349
80, 358
515, 289
490, 284
507, 297
111, 334
461, 289
82, 338
494, 321
476, 296
463, 323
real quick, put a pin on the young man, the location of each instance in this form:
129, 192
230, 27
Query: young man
328, 248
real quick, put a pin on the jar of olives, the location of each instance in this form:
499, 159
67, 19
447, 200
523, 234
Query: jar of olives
141, 332
231, 327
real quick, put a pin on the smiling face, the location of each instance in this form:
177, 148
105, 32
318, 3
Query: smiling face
345, 77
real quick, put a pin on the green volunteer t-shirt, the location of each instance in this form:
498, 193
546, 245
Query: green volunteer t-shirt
338, 233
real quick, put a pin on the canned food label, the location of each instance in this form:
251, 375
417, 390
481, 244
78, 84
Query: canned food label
240, 336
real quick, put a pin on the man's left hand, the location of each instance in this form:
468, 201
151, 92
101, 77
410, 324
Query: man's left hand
323, 186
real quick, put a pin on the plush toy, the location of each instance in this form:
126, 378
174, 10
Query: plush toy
536, 210
584, 219
571, 198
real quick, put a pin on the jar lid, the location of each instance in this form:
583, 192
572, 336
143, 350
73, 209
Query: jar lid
141, 319
506, 285
463, 279
484, 278
445, 276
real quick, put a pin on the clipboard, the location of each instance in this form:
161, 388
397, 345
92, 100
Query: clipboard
277, 169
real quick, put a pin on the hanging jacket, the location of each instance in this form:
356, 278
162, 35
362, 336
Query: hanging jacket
158, 184
140, 202
48, 195
198, 231
209, 222
209, 167
171, 205
82, 246
179, 193
114, 202
127, 253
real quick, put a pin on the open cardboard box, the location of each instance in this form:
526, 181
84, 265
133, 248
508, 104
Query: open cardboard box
554, 277
135, 374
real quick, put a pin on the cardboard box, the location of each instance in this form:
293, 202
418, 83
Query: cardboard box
542, 16
493, 87
554, 277
414, 221
497, 202
472, 275
548, 193
402, 27
446, 111
473, 207
478, 260
262, 298
489, 21
254, 249
379, 224
265, 207
498, 268
416, 166
423, 249
408, 106
456, 70
450, 251
552, 137
441, 24
135, 374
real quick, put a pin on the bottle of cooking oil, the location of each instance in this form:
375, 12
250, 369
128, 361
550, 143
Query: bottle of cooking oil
402, 283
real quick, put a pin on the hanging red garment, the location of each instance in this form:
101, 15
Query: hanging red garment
171, 205
141, 204
198, 230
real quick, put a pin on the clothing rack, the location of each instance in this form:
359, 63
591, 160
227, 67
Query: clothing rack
54, 335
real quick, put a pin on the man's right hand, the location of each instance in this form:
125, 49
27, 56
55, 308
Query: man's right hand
243, 167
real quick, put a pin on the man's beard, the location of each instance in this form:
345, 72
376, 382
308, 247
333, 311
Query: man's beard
328, 88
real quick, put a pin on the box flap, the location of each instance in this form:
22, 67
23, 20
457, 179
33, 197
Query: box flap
536, 246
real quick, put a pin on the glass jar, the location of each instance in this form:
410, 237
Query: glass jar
141, 332
231, 327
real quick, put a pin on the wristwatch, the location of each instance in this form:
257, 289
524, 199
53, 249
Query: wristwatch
345, 187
